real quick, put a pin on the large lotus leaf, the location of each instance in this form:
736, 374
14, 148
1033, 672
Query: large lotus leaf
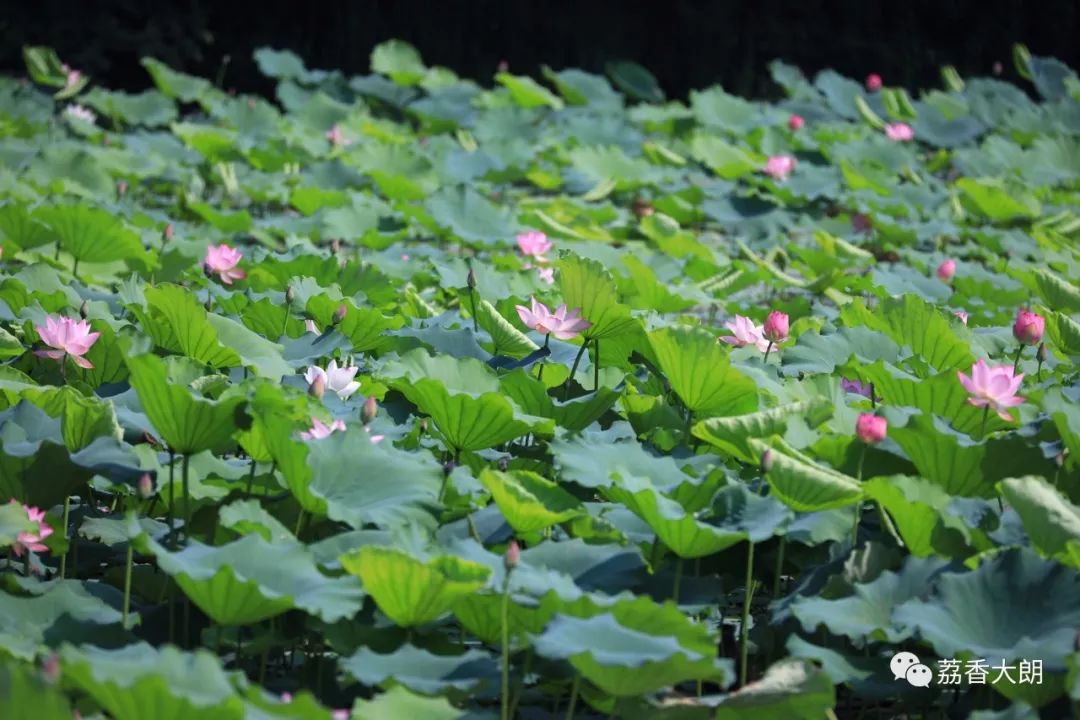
940, 394
528, 93
364, 326
531, 395
992, 200
731, 434
138, 682
149, 107
1058, 292
802, 484
790, 690
822, 353
684, 534
13, 520
184, 325
1066, 416
1014, 605
189, 424
91, 234
471, 216
867, 614
594, 464
634, 80
528, 501
961, 466
19, 229
22, 688
186, 88
915, 324
920, 511
399, 60
410, 591
248, 517
610, 165
48, 615
508, 340
398, 703
422, 671
587, 286
623, 658
700, 372
726, 160
1051, 521
251, 579
348, 478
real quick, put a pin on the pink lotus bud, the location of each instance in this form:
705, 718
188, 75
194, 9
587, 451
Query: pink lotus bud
796, 122
286, 697
766, 462
317, 387
946, 270
290, 295
1029, 327
503, 66
513, 555
50, 669
1042, 353
335, 245
470, 279
962, 315
776, 327
121, 187
873, 82
84, 309
167, 233
339, 314
371, 407
870, 428
861, 223
997, 67
146, 486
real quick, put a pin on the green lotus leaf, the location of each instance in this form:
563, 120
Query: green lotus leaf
610, 165
410, 591
90, 234
21, 688
919, 510
508, 340
802, 484
732, 433
251, 579
400, 61
790, 690
991, 200
531, 395
1014, 605
398, 703
146, 108
1051, 521
20, 230
528, 93
471, 217
178, 321
626, 656
587, 286
247, 517
701, 373
189, 424
1058, 292
822, 353
724, 159
50, 610
912, 322
420, 670
594, 464
634, 80
138, 681
119, 530
528, 501
1064, 333
183, 87
1066, 417
281, 64
13, 521
364, 326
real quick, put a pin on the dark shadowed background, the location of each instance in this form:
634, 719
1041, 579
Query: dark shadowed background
685, 43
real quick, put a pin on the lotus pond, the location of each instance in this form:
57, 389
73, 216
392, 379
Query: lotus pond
408, 396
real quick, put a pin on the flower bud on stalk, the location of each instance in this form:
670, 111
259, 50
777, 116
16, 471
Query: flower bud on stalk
339, 314
513, 555
317, 387
368, 411
146, 486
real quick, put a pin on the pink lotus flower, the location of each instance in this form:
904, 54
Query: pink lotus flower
779, 166
335, 136
870, 428
946, 270
547, 275
310, 326
222, 260
776, 327
900, 132
534, 243
562, 324
861, 223
873, 82
337, 379
1029, 327
796, 122
31, 541
320, 430
993, 387
746, 333
69, 338
78, 112
962, 315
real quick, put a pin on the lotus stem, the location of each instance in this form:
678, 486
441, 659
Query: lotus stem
982, 426
768, 349
573, 369
887, 522
504, 614
172, 499
573, 697
299, 524
521, 686
187, 497
596, 366
127, 584
1016, 360
540, 372
744, 629
678, 581
75, 269
251, 477
63, 558
779, 567
472, 302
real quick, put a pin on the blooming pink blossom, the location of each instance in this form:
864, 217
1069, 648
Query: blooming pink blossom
335, 136
1029, 327
320, 430
534, 243
900, 132
994, 387
796, 122
25, 540
71, 77
746, 333
870, 428
338, 379
776, 327
562, 324
779, 166
547, 274
962, 315
68, 338
873, 82
222, 260
946, 270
